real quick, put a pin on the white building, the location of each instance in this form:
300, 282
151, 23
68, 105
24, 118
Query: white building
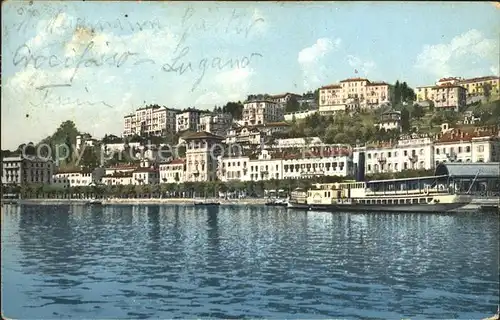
257, 112
412, 153
447, 95
78, 178
150, 120
297, 142
216, 123
173, 172
256, 134
26, 170
85, 140
145, 176
293, 166
284, 97
242, 168
299, 115
460, 146
202, 151
390, 120
353, 94
118, 178
337, 162
188, 120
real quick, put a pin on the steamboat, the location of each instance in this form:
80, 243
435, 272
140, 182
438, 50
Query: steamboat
431, 194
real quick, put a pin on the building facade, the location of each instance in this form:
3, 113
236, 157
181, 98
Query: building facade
78, 177
118, 178
22, 170
187, 120
354, 94
476, 86
202, 151
449, 96
150, 120
145, 176
257, 112
410, 153
173, 172
390, 120
284, 97
216, 123
461, 146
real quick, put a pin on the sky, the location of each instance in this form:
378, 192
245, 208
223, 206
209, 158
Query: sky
95, 62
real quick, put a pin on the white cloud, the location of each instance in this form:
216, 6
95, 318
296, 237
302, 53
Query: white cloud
364, 67
318, 50
230, 85
465, 53
310, 59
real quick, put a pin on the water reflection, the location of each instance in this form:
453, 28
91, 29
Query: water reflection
186, 261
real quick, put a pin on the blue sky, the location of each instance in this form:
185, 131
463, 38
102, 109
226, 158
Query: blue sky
234, 49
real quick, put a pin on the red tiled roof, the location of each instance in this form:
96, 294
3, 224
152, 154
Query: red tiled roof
178, 161
456, 135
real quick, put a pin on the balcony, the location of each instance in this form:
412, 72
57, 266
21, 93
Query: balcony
382, 160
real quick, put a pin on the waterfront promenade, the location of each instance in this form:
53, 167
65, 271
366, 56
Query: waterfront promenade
146, 201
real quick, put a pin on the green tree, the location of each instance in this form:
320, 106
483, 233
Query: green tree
292, 105
405, 120
418, 112
235, 109
487, 90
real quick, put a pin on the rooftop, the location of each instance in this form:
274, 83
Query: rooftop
178, 161
377, 84
354, 79
119, 175
467, 134
142, 169
201, 135
282, 95
481, 170
331, 86
480, 79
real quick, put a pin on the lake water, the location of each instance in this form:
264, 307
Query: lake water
233, 262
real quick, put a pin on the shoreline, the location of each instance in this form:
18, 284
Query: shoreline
144, 201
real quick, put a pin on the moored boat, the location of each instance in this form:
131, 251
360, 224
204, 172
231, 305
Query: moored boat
94, 202
423, 194
206, 203
277, 202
